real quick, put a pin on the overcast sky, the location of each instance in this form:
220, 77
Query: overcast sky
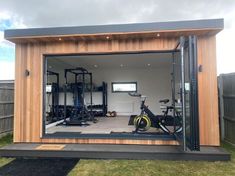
50, 13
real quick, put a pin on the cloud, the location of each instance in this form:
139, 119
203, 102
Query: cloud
225, 49
1, 36
7, 70
10, 20
4, 15
7, 51
5, 24
36, 13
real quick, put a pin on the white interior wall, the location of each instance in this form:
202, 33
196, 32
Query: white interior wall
151, 71
155, 83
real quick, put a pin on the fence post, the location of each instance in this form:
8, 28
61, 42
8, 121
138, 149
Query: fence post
221, 105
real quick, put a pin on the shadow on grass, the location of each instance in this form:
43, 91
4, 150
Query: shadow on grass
36, 167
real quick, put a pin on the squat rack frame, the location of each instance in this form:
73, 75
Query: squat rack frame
77, 72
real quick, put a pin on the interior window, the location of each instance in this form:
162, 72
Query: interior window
124, 87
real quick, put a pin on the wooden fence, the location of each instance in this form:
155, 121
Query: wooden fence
6, 106
227, 106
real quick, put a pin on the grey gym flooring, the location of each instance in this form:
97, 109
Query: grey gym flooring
105, 125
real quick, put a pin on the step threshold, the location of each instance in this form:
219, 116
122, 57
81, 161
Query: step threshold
108, 151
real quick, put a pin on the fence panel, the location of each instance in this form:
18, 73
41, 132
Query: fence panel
6, 106
227, 106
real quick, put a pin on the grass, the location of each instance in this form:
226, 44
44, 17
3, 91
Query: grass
4, 141
161, 168
129, 167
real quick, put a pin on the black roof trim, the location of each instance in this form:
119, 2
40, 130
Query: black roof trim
116, 28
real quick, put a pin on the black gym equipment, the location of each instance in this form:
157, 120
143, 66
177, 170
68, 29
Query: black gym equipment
79, 114
100, 110
53, 115
147, 119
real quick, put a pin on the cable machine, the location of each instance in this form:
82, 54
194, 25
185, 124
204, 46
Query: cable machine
79, 113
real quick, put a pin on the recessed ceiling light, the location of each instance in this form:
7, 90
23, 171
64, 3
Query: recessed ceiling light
148, 64
107, 37
95, 66
121, 65
60, 39
158, 35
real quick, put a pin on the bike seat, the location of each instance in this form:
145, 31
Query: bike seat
164, 101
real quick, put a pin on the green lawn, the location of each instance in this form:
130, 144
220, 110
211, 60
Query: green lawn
116, 167
161, 168
4, 141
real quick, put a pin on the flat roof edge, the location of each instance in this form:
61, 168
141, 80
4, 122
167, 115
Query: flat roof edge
116, 28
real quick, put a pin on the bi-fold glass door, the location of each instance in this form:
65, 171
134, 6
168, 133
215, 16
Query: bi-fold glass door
185, 96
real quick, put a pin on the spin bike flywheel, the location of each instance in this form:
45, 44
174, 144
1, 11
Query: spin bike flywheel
142, 122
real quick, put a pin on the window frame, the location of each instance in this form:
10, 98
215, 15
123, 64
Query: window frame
126, 82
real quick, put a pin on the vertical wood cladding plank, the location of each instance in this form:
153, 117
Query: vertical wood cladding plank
17, 94
23, 91
39, 90
207, 91
29, 96
201, 103
111, 141
115, 45
41, 51
81, 46
37, 82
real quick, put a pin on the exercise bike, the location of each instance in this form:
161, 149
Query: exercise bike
147, 119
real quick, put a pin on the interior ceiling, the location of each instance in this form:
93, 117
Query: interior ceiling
145, 60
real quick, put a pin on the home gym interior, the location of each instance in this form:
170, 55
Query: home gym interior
124, 95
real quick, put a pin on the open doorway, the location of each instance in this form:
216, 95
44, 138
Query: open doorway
103, 95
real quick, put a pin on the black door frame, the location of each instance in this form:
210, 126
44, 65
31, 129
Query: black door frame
192, 141
98, 136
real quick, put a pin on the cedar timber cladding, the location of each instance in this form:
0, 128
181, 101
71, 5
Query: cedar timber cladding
30, 51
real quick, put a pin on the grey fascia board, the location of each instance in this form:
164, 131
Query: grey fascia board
116, 28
